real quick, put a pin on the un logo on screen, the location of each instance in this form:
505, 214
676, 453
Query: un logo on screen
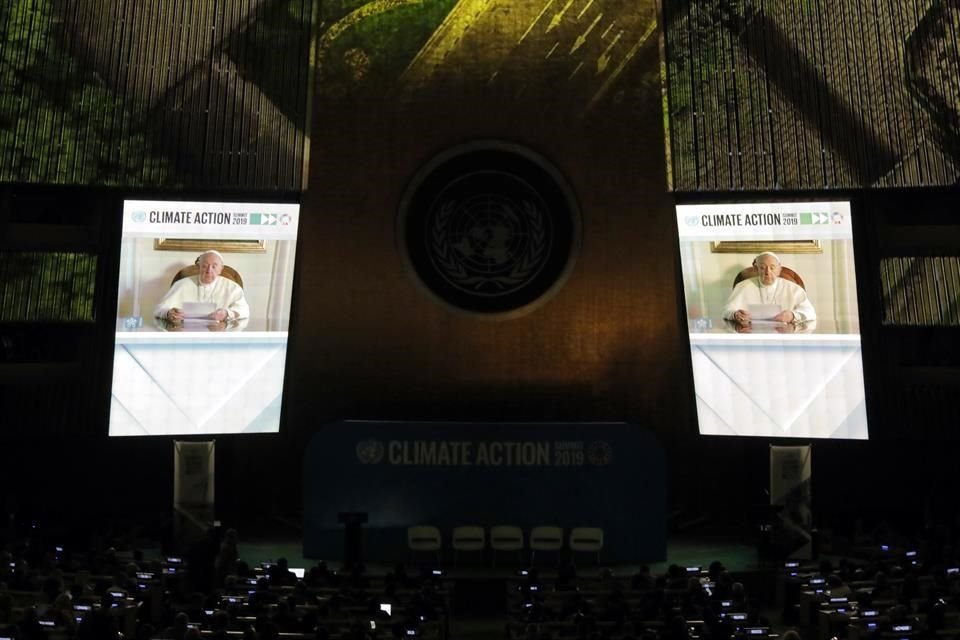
370, 451
138, 216
490, 228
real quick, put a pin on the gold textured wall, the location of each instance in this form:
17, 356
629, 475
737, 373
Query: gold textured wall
577, 83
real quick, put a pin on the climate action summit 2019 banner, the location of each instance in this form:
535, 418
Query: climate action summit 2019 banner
608, 475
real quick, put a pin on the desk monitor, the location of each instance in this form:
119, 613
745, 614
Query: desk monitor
195, 353
775, 357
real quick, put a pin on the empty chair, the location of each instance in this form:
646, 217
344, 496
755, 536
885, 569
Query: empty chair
545, 538
586, 540
424, 539
506, 538
468, 538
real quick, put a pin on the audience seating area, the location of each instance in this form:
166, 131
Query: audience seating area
907, 588
684, 603
62, 594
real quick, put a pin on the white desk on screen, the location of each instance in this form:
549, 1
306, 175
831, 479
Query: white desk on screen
197, 382
795, 385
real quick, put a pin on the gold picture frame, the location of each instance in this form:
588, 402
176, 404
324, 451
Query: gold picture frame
199, 244
753, 247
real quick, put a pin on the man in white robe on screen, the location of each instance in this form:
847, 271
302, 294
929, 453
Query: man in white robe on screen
766, 289
208, 286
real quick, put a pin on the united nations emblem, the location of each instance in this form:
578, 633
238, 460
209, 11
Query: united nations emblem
489, 246
138, 216
599, 453
489, 227
370, 451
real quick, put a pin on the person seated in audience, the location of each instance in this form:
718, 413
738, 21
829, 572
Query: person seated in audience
29, 627
178, 630
837, 587
146, 631
675, 577
207, 286
262, 596
220, 625
694, 599
228, 556
300, 595
97, 624
676, 628
882, 590
320, 575
201, 558
266, 628
119, 584
354, 575
768, 288
739, 596
61, 612
280, 575
360, 630
642, 579
715, 570
898, 615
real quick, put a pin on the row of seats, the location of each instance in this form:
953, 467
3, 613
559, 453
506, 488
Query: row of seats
509, 538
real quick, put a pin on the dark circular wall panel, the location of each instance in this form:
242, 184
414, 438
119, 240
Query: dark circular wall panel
489, 227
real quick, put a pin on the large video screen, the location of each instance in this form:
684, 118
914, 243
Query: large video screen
203, 310
771, 309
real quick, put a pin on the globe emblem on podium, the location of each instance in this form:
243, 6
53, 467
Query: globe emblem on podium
370, 451
489, 228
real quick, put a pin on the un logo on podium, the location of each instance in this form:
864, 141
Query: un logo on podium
370, 451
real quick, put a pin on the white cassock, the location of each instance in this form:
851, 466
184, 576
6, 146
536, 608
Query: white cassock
783, 293
222, 292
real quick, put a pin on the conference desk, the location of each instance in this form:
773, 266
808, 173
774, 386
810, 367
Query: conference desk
803, 381
197, 378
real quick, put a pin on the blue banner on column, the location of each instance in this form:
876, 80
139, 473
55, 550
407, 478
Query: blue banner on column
608, 475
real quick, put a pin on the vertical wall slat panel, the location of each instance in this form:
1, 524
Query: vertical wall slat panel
855, 98
185, 75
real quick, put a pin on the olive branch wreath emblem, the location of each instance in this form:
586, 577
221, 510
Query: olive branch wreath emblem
454, 270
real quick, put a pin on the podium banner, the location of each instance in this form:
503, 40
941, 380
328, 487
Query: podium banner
608, 475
